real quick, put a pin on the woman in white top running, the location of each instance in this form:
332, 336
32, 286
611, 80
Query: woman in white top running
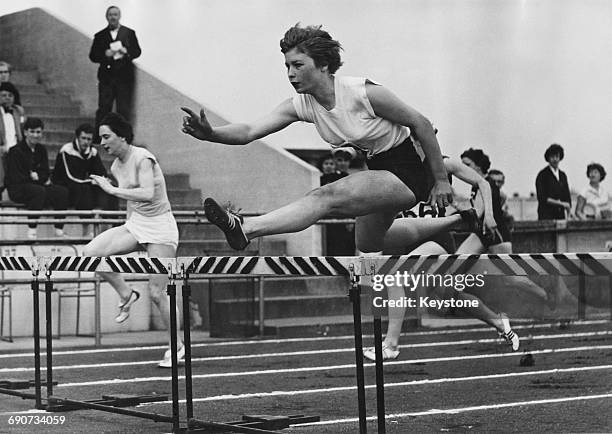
150, 223
347, 111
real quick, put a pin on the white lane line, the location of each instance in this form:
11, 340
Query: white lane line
435, 411
387, 385
290, 340
308, 352
331, 367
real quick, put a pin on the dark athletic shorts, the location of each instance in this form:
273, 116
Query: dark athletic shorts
404, 162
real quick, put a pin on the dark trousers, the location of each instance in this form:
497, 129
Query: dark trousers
37, 197
88, 197
118, 91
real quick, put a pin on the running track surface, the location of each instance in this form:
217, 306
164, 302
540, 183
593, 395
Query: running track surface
460, 379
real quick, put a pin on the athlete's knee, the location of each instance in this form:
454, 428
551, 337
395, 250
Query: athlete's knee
88, 250
330, 194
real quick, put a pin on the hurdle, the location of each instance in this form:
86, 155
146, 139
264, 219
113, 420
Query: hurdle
181, 268
567, 264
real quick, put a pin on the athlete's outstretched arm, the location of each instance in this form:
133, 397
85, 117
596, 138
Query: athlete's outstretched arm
469, 175
388, 106
239, 133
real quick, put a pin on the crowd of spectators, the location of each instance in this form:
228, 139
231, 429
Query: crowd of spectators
25, 172
593, 201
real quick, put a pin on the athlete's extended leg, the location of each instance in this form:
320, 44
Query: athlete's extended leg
359, 194
115, 241
362, 193
408, 231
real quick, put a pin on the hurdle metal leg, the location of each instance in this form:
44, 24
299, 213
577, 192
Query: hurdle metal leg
97, 321
49, 337
610, 298
380, 381
355, 297
59, 316
187, 344
36, 315
2, 316
581, 294
171, 290
78, 313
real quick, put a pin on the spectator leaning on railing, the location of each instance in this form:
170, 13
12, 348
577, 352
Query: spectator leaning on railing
75, 162
594, 201
27, 175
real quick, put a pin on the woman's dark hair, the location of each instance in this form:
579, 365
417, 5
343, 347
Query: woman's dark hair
315, 43
8, 87
479, 158
119, 126
554, 149
598, 167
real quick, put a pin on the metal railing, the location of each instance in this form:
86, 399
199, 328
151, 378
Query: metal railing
98, 218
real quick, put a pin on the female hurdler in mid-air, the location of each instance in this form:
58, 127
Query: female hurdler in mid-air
347, 111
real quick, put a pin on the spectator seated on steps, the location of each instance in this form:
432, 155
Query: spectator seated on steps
27, 175
75, 162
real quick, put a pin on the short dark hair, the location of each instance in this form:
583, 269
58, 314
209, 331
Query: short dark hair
8, 87
554, 149
315, 43
111, 7
596, 166
33, 123
496, 172
479, 158
118, 125
84, 128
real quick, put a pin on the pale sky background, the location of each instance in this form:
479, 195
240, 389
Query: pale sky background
508, 76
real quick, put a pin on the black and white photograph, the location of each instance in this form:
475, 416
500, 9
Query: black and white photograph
315, 216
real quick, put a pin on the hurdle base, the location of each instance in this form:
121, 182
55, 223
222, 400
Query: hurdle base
251, 424
113, 401
14, 384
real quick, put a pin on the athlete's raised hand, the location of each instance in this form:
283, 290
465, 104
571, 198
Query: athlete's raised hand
196, 126
441, 195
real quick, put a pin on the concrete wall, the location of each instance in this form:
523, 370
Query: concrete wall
561, 236
256, 178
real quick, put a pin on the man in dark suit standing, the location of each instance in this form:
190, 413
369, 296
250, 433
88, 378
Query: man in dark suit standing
114, 48
554, 200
